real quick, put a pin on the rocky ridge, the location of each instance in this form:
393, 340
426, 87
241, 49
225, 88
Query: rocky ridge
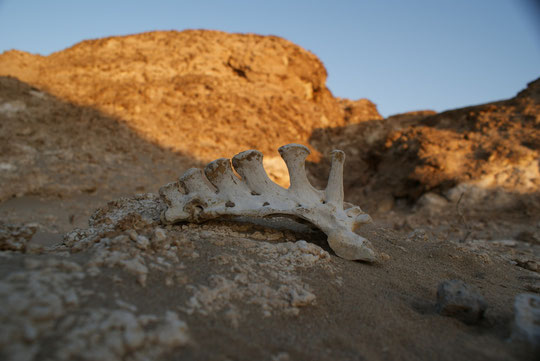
206, 93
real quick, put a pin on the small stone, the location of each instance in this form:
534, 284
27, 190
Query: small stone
527, 318
526, 262
174, 332
160, 235
132, 234
505, 242
384, 257
281, 356
142, 242
418, 235
459, 300
432, 202
484, 257
159, 238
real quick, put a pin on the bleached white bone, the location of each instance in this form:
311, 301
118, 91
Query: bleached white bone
217, 192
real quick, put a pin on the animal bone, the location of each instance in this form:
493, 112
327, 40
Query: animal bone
218, 192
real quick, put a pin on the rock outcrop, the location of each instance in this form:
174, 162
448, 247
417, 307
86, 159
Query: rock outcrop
476, 167
205, 93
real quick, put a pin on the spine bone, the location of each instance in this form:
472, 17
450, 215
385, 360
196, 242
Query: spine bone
220, 193
249, 165
334, 189
295, 156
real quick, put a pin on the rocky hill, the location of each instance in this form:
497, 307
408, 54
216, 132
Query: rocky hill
204, 93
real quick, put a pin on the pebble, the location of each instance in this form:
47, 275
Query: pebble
506, 242
142, 242
160, 235
527, 318
418, 235
459, 300
384, 257
132, 234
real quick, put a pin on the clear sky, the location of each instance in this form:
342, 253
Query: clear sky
402, 54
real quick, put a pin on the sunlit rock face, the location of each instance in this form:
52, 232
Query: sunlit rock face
205, 93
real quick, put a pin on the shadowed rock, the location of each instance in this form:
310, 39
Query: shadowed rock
459, 300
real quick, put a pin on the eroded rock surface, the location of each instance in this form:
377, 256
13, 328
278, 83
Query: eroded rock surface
189, 91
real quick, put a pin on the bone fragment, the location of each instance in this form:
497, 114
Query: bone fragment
295, 156
334, 189
218, 193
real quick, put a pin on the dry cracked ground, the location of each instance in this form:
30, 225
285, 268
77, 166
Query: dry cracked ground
89, 271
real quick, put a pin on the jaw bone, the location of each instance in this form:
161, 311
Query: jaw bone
218, 192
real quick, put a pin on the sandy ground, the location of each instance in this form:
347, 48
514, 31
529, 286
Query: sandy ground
247, 292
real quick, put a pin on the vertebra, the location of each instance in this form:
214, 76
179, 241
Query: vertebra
219, 193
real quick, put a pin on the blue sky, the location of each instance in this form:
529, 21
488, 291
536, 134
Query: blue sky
402, 54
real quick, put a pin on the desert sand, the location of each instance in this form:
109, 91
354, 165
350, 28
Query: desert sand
90, 271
